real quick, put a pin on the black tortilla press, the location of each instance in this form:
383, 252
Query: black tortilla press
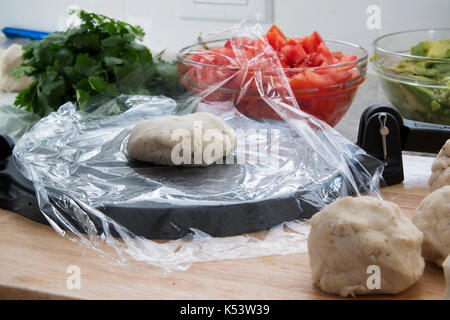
383, 133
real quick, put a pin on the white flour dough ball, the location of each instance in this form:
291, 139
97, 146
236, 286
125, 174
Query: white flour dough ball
432, 217
440, 169
195, 139
10, 59
364, 245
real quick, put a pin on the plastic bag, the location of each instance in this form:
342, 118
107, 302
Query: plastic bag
291, 166
15, 122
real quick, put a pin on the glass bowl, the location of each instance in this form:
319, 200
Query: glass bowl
328, 98
416, 97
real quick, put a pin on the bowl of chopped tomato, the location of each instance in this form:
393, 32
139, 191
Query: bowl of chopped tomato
323, 75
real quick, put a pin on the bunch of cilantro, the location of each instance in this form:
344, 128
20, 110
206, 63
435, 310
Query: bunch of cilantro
91, 64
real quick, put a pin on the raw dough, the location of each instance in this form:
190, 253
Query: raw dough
446, 266
432, 217
440, 169
10, 59
351, 236
151, 140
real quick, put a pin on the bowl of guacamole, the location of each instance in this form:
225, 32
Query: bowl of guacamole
414, 70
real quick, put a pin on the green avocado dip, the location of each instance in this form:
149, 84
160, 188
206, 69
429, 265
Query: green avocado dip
422, 91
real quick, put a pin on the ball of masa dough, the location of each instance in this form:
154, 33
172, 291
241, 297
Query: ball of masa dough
204, 137
432, 217
440, 169
353, 235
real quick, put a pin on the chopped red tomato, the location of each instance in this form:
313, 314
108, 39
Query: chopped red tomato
293, 54
340, 76
300, 82
316, 38
276, 38
297, 52
319, 80
322, 81
309, 45
325, 52
316, 59
347, 58
337, 54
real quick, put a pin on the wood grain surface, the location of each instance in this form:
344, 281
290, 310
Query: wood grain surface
34, 261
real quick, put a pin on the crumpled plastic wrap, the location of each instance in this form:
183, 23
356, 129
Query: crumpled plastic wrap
15, 122
90, 191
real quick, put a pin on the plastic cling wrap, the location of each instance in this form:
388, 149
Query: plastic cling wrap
286, 168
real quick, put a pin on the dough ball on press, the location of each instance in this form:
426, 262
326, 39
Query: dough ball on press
10, 59
154, 141
351, 236
432, 217
440, 170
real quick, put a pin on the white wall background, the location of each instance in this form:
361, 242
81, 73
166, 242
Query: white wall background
343, 20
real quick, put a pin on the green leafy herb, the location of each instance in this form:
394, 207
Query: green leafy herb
91, 64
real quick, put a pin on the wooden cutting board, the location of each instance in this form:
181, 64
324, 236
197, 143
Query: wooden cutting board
34, 262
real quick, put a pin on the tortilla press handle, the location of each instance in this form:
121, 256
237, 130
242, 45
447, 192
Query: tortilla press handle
6, 146
9, 173
16, 192
424, 137
384, 134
